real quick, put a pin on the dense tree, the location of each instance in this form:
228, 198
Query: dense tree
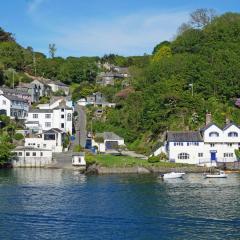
6, 36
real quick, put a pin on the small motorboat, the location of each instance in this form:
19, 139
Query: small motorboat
172, 175
221, 174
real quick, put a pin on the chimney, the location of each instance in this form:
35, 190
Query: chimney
227, 121
208, 118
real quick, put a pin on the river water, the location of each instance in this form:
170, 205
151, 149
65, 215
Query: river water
58, 204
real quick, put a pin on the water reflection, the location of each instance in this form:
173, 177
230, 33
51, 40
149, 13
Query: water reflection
58, 204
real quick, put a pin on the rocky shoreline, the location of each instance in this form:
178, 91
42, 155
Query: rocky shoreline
96, 169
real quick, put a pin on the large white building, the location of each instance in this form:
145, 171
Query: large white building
210, 145
48, 140
44, 119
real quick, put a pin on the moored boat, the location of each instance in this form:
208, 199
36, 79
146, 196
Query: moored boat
221, 174
172, 175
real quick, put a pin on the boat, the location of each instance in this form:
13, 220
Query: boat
221, 174
172, 175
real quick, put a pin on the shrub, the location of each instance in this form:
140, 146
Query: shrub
163, 156
154, 159
77, 148
90, 159
18, 136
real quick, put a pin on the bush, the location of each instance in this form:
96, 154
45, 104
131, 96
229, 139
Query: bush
154, 159
163, 156
77, 148
90, 159
18, 136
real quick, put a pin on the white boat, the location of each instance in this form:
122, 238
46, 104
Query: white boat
172, 175
221, 174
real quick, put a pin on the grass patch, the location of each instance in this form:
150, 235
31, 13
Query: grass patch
125, 161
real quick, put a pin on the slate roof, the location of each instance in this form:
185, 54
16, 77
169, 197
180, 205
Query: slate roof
189, 136
53, 130
111, 136
23, 148
41, 110
229, 125
15, 98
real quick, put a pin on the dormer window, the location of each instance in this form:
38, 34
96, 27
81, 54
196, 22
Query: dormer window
213, 134
233, 134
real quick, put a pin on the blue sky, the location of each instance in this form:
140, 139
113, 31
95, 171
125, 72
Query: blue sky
97, 27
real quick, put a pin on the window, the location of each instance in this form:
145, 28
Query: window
178, 144
47, 124
233, 134
183, 156
48, 115
38, 145
4, 102
69, 117
34, 154
41, 154
229, 144
212, 145
62, 116
192, 144
35, 115
213, 134
19, 154
228, 155
44, 145
49, 136
200, 154
62, 125
62, 110
27, 154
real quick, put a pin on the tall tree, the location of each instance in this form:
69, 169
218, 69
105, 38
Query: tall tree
52, 50
201, 17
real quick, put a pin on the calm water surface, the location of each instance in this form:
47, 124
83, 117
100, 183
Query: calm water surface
57, 204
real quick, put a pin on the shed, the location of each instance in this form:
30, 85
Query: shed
78, 159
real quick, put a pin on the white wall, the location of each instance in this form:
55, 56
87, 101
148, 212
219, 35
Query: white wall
54, 145
32, 161
192, 150
55, 120
5, 104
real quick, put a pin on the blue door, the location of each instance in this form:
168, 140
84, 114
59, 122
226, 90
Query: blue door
213, 156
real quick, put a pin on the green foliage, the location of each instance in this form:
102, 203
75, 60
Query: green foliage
60, 92
77, 148
154, 159
18, 136
237, 153
5, 153
66, 141
160, 45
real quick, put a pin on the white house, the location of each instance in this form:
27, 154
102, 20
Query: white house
107, 141
45, 119
13, 106
211, 145
31, 157
50, 140
59, 86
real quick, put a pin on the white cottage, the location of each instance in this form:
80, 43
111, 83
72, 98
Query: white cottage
211, 145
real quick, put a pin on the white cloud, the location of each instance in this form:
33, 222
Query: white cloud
128, 35
33, 5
